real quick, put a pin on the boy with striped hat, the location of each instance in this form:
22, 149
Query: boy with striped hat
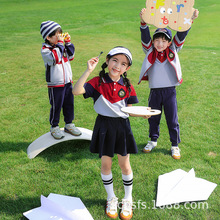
57, 51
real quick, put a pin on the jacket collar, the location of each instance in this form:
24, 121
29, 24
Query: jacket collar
170, 55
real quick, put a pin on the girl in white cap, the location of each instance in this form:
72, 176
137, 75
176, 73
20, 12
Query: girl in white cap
112, 132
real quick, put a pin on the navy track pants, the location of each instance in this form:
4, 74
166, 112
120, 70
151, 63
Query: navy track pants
166, 98
61, 98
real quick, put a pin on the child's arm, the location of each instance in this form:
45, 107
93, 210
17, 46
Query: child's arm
179, 38
70, 49
53, 55
145, 33
78, 88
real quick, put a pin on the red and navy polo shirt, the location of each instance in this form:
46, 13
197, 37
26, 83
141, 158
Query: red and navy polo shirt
110, 96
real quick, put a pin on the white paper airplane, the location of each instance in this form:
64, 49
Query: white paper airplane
59, 207
179, 186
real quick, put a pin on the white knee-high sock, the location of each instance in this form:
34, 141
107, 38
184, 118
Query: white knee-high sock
128, 185
108, 184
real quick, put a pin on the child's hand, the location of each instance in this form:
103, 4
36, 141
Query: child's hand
60, 37
147, 116
143, 10
195, 14
67, 37
92, 63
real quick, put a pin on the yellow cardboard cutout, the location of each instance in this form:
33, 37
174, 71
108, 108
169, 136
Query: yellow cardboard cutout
177, 14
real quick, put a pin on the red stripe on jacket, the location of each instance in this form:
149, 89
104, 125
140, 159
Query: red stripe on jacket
177, 44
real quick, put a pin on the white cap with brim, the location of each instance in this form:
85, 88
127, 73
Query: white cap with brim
121, 50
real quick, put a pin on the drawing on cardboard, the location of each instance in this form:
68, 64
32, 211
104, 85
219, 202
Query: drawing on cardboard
176, 14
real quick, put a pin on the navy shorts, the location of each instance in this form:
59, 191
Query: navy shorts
112, 136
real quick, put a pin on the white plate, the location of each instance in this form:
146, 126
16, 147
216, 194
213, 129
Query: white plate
140, 110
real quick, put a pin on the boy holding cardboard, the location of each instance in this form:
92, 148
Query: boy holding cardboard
161, 67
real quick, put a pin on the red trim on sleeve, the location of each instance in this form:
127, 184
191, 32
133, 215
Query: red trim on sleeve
177, 44
147, 47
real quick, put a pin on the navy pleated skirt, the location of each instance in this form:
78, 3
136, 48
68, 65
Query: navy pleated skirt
112, 136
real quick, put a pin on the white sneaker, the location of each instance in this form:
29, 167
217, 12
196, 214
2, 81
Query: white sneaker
126, 212
70, 128
149, 146
175, 152
111, 208
56, 132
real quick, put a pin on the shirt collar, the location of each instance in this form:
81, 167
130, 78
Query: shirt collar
107, 79
161, 56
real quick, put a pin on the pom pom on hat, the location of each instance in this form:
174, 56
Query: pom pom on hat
48, 27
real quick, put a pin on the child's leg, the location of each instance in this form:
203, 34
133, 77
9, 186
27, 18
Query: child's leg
170, 111
68, 104
127, 175
56, 96
155, 102
106, 175
112, 200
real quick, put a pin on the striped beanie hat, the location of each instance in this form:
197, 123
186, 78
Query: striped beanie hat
48, 27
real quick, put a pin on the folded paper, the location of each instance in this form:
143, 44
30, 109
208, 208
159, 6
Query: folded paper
179, 186
59, 207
